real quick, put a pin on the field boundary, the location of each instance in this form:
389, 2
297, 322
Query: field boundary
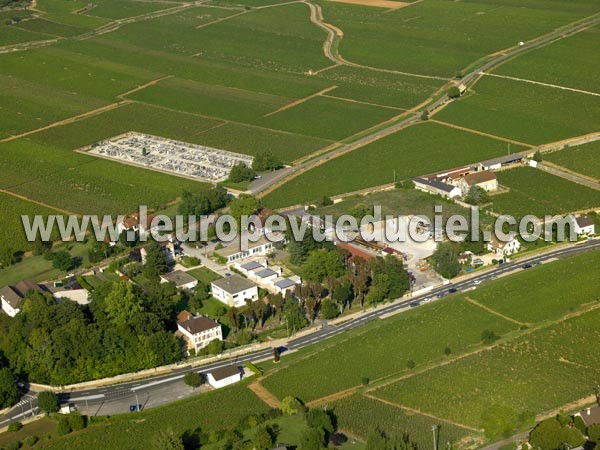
555, 86
421, 413
495, 313
481, 133
264, 394
301, 100
37, 202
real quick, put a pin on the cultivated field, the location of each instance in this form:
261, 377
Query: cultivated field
535, 192
525, 112
414, 151
568, 62
584, 159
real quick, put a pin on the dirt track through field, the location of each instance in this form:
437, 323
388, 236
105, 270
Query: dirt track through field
481, 133
555, 86
144, 86
69, 120
376, 3
300, 101
495, 313
261, 392
45, 205
421, 413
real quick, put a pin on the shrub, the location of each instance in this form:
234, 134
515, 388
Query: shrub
593, 432
489, 337
580, 424
291, 406
447, 351
410, 364
192, 379
76, 421
13, 446
30, 441
365, 381
453, 92
63, 427
48, 401
15, 426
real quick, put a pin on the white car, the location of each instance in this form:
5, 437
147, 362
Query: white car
426, 300
477, 282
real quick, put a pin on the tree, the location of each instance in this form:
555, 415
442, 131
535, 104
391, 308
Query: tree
9, 392
477, 196
317, 418
48, 401
241, 172
593, 432
546, 435
203, 202
122, 304
192, 379
263, 439
291, 406
264, 161
214, 347
389, 274
233, 315
488, 337
39, 246
15, 426
312, 439
8, 255
454, 92
445, 260
322, 263
62, 260
293, 316
156, 262
447, 351
244, 205
571, 437
328, 310
537, 156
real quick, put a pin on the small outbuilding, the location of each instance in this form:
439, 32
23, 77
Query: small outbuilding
224, 376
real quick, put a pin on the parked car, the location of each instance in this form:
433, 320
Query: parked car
527, 266
477, 282
133, 408
413, 304
452, 290
427, 300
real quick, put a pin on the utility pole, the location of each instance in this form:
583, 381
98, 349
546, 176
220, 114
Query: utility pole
434, 429
31, 407
137, 403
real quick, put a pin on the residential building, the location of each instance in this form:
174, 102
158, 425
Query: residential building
590, 415
234, 290
437, 187
224, 376
485, 179
181, 279
584, 225
12, 296
261, 247
502, 248
198, 331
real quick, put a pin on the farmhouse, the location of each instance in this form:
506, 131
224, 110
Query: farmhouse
12, 296
486, 180
181, 279
198, 331
501, 248
590, 416
437, 187
234, 290
500, 162
224, 376
584, 226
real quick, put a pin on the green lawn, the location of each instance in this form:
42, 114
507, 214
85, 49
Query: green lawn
204, 275
584, 159
539, 193
414, 151
525, 112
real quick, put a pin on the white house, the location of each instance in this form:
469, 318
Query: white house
224, 376
12, 296
198, 331
437, 187
261, 247
181, 279
502, 248
584, 225
234, 290
283, 285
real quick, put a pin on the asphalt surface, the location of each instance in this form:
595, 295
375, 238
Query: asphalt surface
145, 388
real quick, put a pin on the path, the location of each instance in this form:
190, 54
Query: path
555, 170
262, 393
144, 86
45, 205
542, 84
482, 133
68, 120
421, 413
495, 313
301, 100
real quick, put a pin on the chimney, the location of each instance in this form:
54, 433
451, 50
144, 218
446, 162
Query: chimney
589, 411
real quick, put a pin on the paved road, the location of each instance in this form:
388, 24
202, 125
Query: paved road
148, 387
